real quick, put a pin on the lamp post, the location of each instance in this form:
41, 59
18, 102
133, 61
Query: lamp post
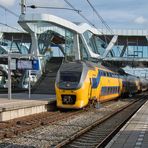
9, 77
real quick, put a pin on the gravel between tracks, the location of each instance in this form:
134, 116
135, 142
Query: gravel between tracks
48, 136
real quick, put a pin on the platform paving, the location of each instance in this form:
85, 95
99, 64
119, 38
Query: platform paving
135, 133
20, 105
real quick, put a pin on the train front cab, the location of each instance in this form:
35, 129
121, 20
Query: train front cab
72, 92
72, 98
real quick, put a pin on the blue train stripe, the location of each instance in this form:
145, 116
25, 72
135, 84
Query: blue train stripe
95, 81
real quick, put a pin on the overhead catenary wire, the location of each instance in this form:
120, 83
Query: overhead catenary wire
85, 18
100, 17
63, 8
10, 26
13, 13
80, 13
88, 21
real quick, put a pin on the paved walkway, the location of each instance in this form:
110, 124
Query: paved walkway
22, 99
135, 133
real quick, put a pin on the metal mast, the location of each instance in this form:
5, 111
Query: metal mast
23, 6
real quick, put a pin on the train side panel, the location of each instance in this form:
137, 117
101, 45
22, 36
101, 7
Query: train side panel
107, 88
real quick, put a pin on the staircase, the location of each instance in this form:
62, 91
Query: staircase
46, 83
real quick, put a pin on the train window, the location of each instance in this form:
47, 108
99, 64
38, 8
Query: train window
104, 90
117, 89
109, 90
70, 77
113, 90
107, 74
102, 73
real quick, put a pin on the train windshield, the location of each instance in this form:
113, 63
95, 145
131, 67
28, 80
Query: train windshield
70, 77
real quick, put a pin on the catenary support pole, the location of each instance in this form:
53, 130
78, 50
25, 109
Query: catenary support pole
9, 78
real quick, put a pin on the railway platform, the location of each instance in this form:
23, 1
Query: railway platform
135, 133
20, 105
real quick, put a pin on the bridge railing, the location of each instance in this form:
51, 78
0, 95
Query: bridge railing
128, 32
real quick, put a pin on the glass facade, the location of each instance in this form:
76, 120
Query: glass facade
54, 40
94, 42
83, 51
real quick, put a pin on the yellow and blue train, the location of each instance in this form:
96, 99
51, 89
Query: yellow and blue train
79, 82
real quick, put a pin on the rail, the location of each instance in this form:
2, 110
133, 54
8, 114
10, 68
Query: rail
99, 133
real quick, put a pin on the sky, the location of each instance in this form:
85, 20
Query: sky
118, 14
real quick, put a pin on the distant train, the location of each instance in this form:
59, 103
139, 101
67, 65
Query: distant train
79, 82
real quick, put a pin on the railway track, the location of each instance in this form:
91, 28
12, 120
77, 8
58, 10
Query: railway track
15, 127
101, 132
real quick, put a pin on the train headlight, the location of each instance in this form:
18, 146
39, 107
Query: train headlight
67, 85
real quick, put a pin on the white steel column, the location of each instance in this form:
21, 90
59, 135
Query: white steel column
123, 50
77, 47
110, 45
23, 6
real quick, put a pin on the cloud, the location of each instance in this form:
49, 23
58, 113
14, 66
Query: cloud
7, 3
140, 20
